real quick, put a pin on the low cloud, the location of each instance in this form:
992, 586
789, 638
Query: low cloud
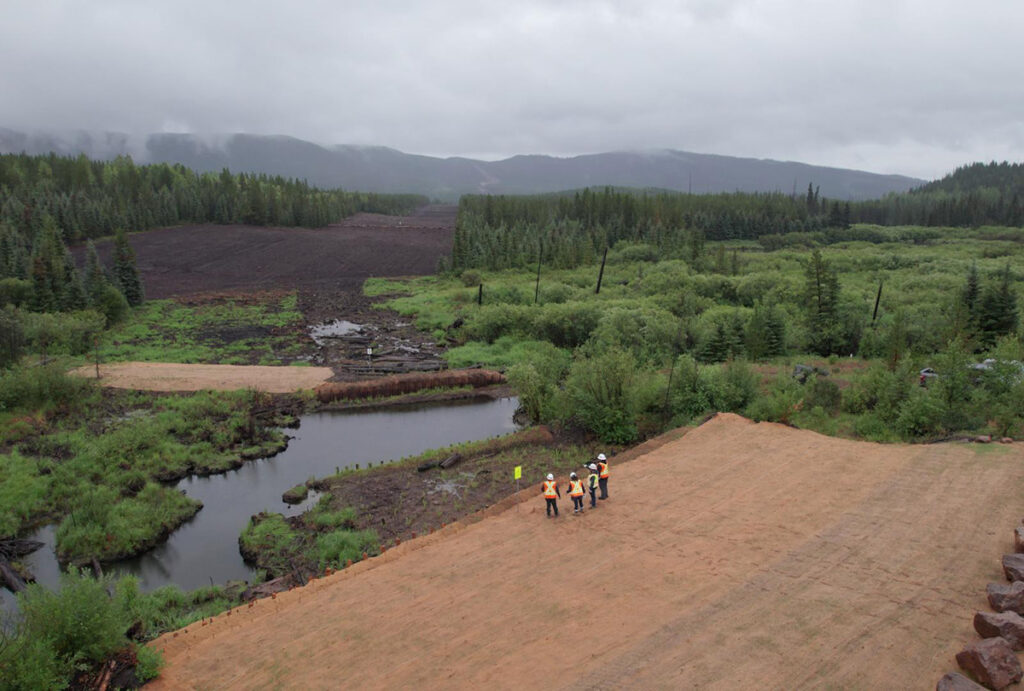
905, 86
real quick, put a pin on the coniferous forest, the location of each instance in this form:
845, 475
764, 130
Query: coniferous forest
572, 229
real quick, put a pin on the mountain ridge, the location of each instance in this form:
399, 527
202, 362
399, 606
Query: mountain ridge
386, 170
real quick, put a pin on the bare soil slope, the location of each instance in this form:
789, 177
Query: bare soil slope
211, 258
740, 556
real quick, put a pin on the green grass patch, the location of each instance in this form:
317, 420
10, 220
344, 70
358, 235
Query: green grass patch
242, 331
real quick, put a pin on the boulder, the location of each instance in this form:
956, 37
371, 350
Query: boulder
1006, 440
1007, 625
1013, 567
1018, 538
1006, 598
954, 681
991, 662
983, 439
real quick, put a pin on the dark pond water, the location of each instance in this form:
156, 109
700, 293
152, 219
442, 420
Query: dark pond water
205, 549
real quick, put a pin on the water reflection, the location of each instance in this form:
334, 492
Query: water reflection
205, 550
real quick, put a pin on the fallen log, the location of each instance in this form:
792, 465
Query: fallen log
10, 578
450, 461
14, 548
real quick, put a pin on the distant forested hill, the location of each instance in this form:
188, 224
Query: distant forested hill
1005, 177
974, 195
384, 170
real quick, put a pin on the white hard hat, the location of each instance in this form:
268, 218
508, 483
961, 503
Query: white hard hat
572, 474
550, 476
601, 457
592, 466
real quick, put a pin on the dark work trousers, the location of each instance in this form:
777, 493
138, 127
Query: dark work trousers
604, 487
593, 497
552, 504
577, 503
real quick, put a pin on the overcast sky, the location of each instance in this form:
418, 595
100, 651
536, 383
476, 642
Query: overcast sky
896, 86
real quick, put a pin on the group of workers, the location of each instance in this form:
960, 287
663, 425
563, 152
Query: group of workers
596, 481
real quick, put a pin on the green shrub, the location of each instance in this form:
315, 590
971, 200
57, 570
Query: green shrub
567, 325
32, 388
15, 292
651, 334
920, 415
731, 387
628, 253
779, 403
69, 333
471, 279
873, 428
29, 662
602, 392
112, 304
148, 663
822, 392
491, 322
687, 397
79, 620
507, 295
537, 382
555, 293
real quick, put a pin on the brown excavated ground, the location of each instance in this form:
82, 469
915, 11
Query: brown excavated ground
164, 376
187, 260
739, 556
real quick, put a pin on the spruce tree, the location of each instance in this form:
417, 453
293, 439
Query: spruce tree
997, 311
126, 275
95, 278
72, 295
969, 298
821, 300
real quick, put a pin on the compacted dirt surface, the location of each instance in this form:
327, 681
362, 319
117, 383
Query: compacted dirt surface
738, 556
162, 376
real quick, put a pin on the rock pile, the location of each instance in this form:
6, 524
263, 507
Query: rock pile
992, 661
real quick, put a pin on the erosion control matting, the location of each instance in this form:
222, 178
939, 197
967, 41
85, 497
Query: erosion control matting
740, 556
167, 376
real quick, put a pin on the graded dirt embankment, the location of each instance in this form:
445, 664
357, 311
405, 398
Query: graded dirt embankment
163, 376
740, 556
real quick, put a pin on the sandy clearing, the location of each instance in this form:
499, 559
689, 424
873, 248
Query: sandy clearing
161, 376
740, 556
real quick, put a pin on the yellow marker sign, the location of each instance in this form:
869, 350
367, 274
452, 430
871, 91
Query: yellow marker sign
518, 472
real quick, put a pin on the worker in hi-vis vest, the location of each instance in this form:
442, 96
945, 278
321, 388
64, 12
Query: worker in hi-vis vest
576, 492
602, 474
592, 484
552, 494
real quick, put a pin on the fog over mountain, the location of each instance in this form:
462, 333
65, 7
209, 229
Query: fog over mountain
381, 169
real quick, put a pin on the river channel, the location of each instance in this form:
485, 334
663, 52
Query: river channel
205, 550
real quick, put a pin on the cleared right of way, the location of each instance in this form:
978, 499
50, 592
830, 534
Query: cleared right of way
739, 556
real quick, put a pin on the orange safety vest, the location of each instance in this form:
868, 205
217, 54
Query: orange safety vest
603, 466
551, 489
576, 488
